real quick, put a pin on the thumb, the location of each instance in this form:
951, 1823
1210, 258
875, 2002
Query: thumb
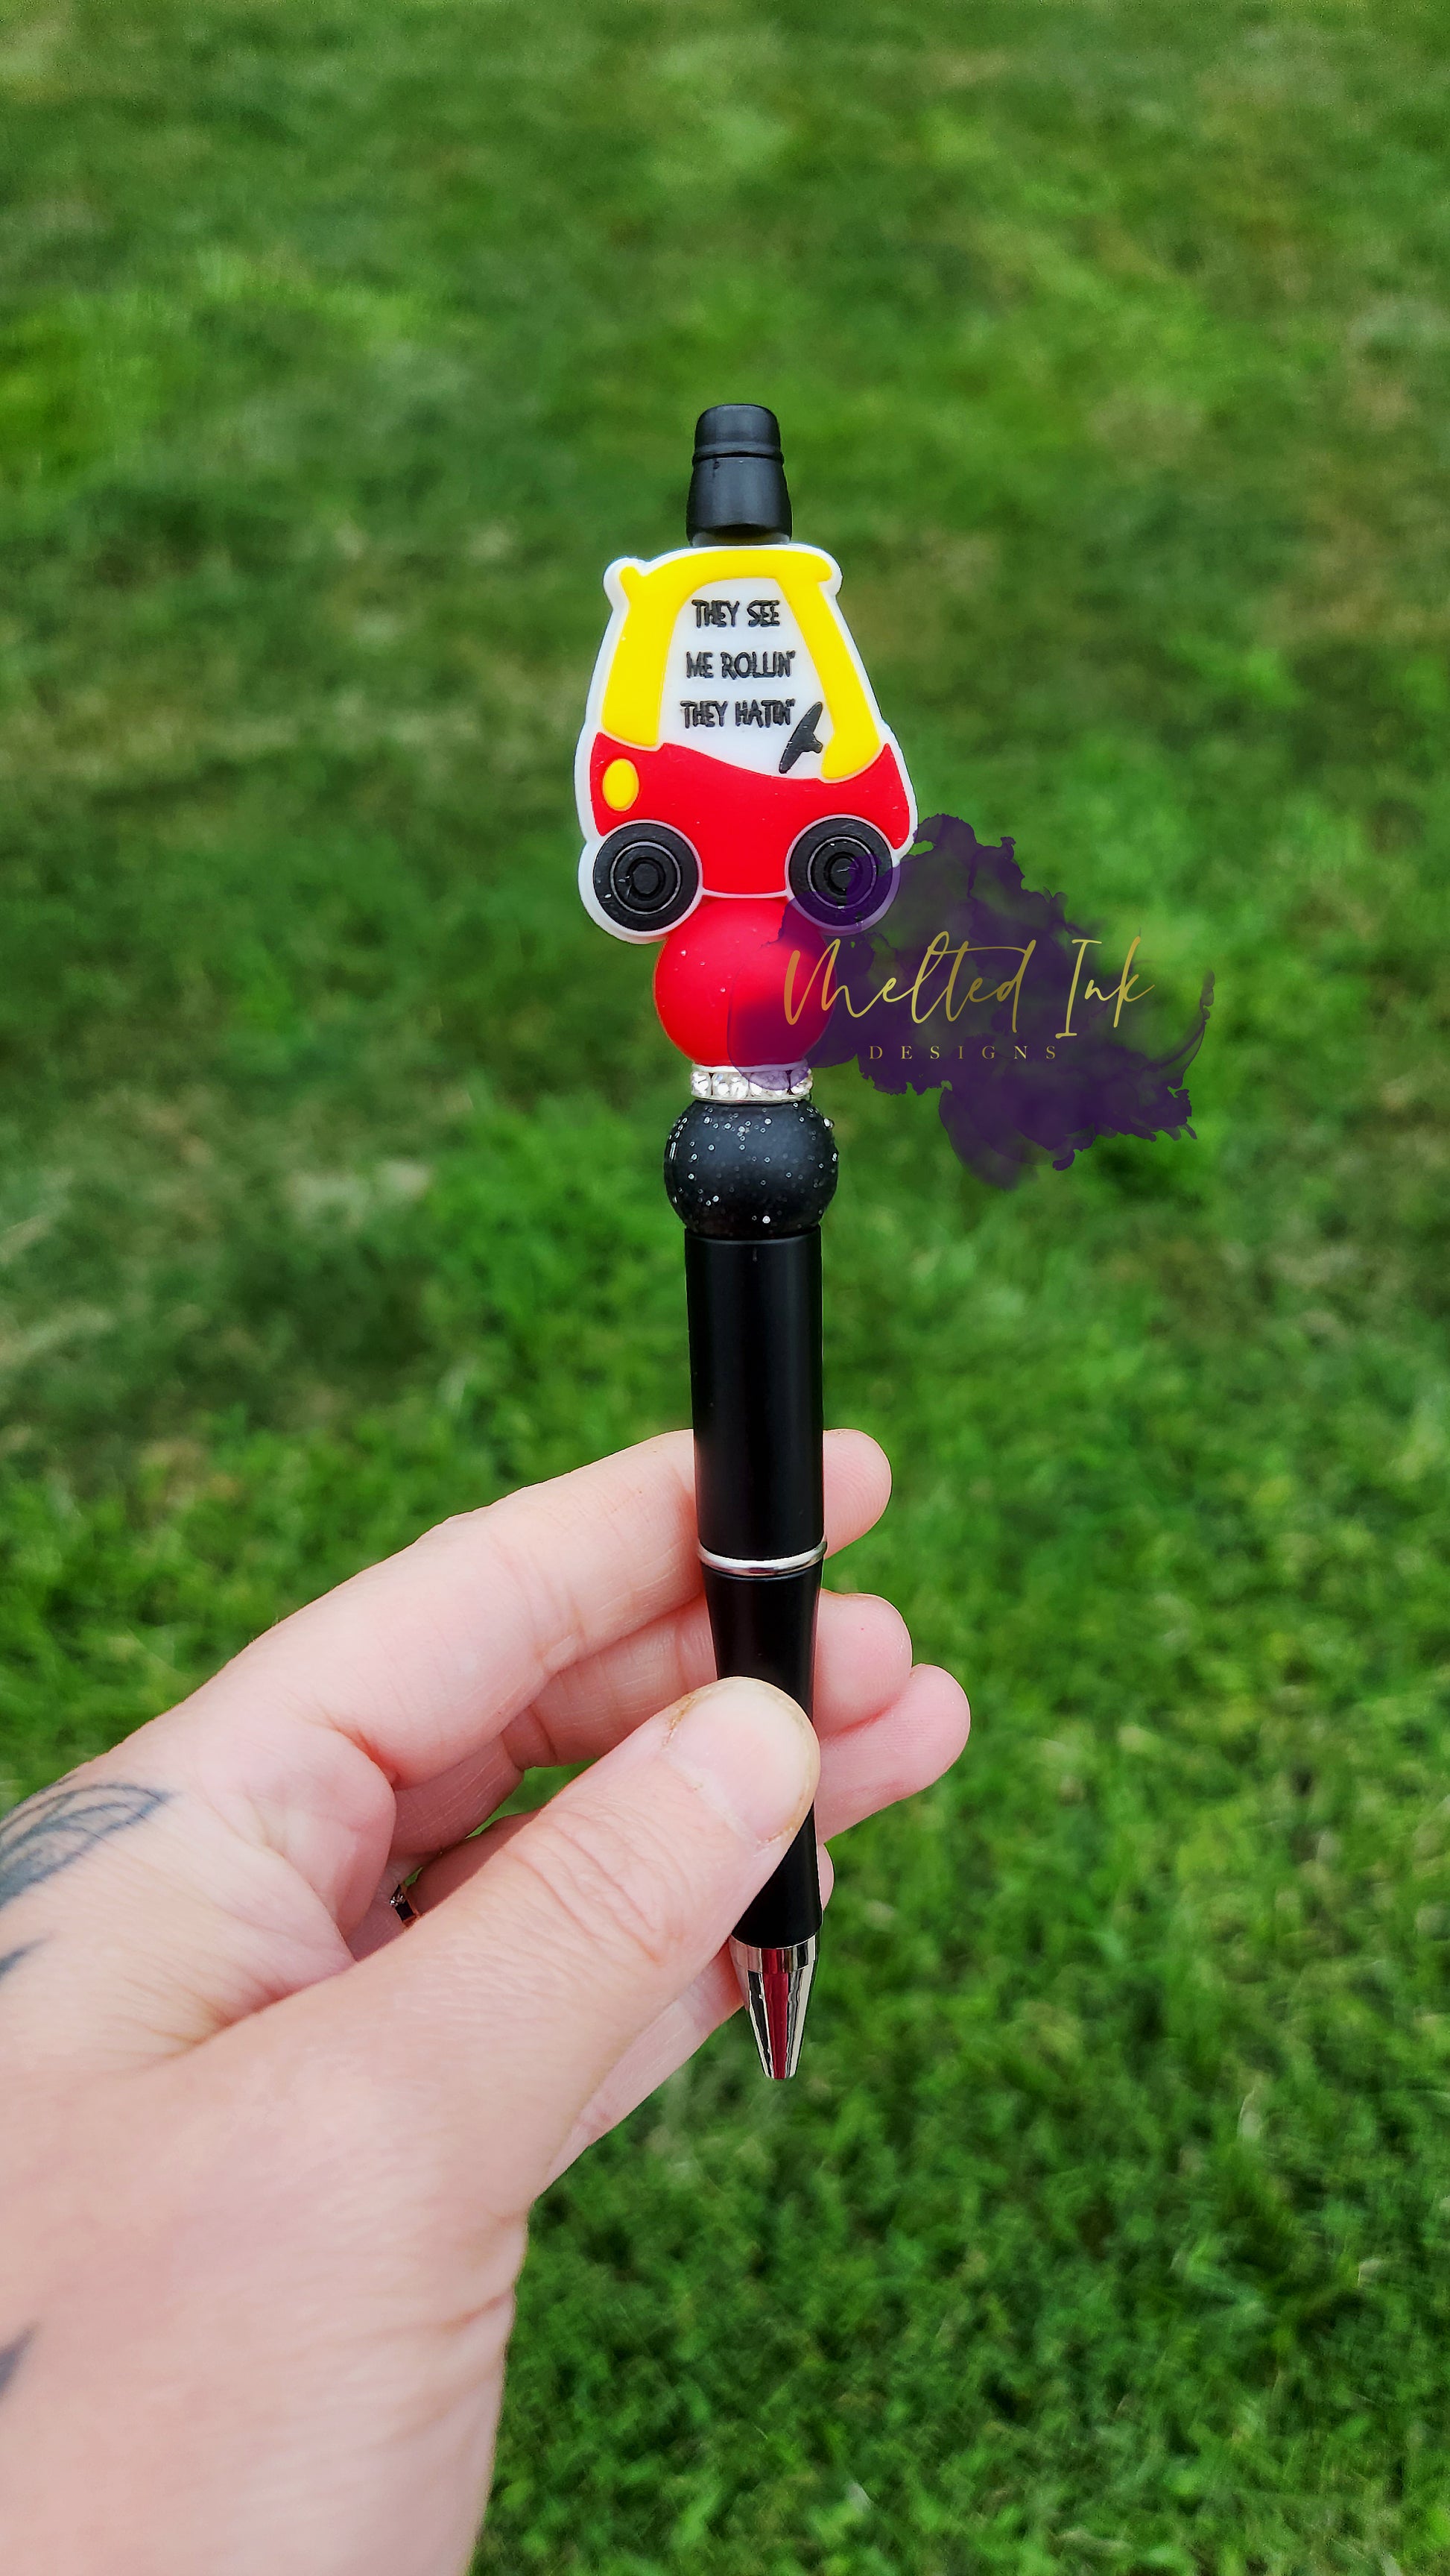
516, 1996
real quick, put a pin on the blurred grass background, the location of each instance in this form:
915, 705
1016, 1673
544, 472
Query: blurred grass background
340, 346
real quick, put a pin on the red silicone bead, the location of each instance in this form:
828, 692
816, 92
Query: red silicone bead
723, 978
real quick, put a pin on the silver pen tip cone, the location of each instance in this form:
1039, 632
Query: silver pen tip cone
776, 1986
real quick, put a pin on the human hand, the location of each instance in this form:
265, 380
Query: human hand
267, 2162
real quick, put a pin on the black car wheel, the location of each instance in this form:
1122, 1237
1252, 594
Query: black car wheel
646, 878
840, 872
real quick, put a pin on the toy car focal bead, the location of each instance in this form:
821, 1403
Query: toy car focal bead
646, 878
729, 706
741, 800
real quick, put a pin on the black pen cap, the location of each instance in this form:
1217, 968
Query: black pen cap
737, 488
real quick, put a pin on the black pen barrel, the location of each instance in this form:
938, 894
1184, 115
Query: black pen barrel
751, 1184
755, 1393
755, 1385
765, 1627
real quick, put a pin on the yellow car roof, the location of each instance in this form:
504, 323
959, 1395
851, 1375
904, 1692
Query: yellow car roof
655, 593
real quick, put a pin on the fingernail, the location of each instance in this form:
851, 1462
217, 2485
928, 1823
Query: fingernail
751, 1752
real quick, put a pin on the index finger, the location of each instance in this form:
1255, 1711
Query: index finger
420, 1659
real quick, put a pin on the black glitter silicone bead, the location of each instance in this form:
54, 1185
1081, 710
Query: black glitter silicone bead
750, 1170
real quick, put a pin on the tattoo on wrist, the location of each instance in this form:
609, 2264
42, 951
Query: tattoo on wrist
12, 1958
12, 2355
60, 1826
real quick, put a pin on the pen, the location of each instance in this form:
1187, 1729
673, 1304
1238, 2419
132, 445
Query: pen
741, 799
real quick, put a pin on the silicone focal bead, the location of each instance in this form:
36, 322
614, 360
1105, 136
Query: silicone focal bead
740, 797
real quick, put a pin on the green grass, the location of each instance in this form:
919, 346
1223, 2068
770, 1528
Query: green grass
342, 345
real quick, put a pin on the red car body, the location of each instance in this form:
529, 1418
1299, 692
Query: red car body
743, 822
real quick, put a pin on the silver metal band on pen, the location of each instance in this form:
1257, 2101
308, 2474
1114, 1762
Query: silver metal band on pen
763, 1565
